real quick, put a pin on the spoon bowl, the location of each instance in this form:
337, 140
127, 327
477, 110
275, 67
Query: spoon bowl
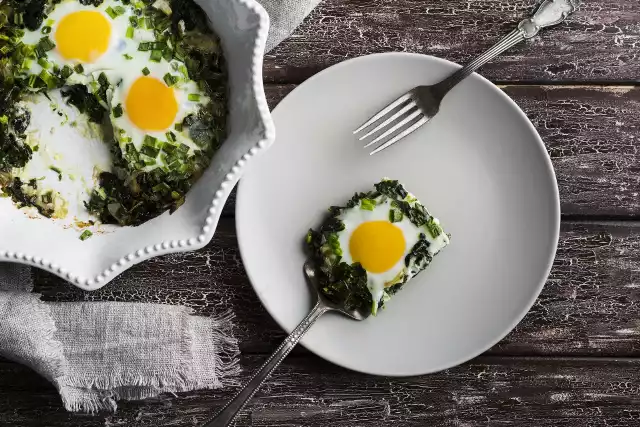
229, 412
312, 279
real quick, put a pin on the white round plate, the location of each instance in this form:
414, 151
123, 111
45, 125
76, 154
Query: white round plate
479, 166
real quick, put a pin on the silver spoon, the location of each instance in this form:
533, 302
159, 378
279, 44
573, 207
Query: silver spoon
229, 412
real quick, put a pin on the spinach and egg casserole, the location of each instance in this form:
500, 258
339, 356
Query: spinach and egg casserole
151, 72
369, 249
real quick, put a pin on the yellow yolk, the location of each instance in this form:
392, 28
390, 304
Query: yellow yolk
377, 245
83, 36
151, 105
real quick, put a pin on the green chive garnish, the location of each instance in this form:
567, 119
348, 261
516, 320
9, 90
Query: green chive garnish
395, 215
149, 151
66, 72
367, 204
85, 235
48, 79
149, 141
129, 33
194, 97
146, 71
33, 79
112, 13
44, 63
45, 30
156, 55
58, 171
170, 80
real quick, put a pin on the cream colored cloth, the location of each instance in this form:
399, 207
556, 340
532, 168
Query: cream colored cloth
98, 353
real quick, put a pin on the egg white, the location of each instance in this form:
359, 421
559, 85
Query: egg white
123, 64
352, 218
124, 128
112, 59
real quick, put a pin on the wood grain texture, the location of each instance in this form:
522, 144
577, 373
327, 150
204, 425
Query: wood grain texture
589, 307
598, 43
307, 391
591, 134
537, 375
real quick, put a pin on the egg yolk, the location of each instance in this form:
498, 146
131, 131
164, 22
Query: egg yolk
83, 36
151, 105
377, 245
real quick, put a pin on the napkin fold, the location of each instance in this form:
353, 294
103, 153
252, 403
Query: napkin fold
285, 16
96, 353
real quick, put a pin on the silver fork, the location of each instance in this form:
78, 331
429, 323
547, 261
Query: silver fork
229, 412
416, 107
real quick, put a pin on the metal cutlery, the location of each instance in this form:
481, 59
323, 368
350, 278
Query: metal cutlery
229, 412
420, 104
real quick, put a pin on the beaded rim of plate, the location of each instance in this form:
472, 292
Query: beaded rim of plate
206, 231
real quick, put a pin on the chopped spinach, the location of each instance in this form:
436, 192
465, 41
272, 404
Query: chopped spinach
340, 282
32, 12
22, 197
419, 257
392, 189
434, 228
80, 97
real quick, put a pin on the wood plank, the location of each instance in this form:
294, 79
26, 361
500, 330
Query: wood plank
307, 391
598, 43
591, 136
588, 307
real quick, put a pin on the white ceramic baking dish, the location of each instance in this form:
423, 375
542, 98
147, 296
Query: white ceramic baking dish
54, 246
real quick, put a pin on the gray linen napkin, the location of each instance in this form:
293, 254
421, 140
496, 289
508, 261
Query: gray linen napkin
98, 353
285, 16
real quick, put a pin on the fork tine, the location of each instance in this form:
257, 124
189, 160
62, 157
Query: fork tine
411, 105
386, 110
401, 135
395, 127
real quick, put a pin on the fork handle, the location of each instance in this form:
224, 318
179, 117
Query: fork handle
229, 412
550, 12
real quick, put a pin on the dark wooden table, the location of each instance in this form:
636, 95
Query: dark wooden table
573, 361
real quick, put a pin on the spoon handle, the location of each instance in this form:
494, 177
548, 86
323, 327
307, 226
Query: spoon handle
229, 412
550, 12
